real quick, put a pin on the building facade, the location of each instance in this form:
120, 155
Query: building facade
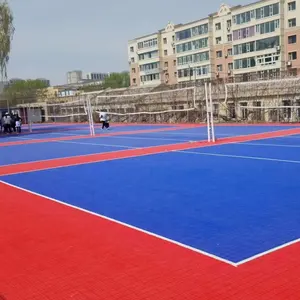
255, 41
93, 76
77, 77
74, 77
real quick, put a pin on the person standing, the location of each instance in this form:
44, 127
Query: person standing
104, 120
7, 123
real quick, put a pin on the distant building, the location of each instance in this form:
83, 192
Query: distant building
95, 76
255, 41
77, 76
74, 77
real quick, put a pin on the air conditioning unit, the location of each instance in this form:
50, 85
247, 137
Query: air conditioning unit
173, 44
229, 72
218, 74
228, 29
277, 48
289, 63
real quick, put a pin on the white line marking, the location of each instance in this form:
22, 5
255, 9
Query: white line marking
297, 136
141, 138
269, 145
267, 252
190, 133
45, 160
125, 224
95, 144
147, 138
239, 156
84, 143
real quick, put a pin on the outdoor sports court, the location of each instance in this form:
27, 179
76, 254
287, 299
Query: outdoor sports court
150, 212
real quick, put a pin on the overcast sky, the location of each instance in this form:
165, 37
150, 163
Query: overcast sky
53, 37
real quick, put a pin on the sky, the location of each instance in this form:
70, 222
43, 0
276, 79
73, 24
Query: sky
56, 36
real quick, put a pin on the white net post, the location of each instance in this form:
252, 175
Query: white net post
209, 113
29, 118
90, 116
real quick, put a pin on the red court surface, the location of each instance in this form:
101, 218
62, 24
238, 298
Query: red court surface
68, 254
53, 251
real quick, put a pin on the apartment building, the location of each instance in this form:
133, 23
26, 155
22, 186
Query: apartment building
152, 58
292, 36
258, 39
255, 41
193, 50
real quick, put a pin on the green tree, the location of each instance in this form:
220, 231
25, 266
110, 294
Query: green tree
117, 80
25, 91
6, 34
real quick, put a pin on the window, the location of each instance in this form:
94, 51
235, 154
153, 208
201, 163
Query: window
244, 63
174, 62
133, 70
147, 43
292, 22
292, 5
203, 56
165, 40
148, 55
166, 64
131, 49
229, 52
165, 52
229, 37
132, 59
218, 26
267, 27
173, 38
149, 67
187, 33
228, 24
197, 44
219, 68
293, 55
134, 81
292, 39
230, 66
219, 54
267, 43
218, 40
174, 50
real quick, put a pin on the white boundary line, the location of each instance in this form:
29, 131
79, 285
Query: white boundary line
244, 261
267, 252
125, 224
238, 156
92, 144
95, 144
269, 145
140, 138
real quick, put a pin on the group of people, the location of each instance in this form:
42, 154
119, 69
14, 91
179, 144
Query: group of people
10, 123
